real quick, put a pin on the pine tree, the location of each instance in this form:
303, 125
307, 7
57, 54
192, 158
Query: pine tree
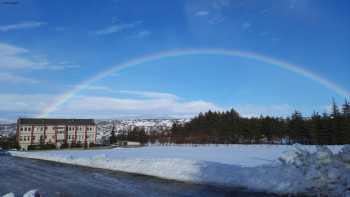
113, 137
346, 109
335, 113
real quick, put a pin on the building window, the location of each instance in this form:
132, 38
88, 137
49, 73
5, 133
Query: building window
25, 128
29, 129
21, 129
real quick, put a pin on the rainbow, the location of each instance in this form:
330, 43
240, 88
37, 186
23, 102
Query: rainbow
185, 52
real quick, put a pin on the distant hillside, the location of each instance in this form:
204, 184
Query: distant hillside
7, 129
104, 127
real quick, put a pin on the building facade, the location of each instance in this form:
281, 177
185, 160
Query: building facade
58, 132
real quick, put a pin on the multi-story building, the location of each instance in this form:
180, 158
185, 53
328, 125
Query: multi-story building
59, 132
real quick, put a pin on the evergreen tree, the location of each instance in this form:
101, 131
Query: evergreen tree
113, 138
228, 127
335, 113
346, 109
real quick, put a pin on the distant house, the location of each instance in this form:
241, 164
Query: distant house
57, 132
127, 144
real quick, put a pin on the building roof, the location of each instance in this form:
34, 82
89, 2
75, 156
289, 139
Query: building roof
49, 121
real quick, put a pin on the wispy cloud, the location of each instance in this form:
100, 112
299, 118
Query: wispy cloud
217, 20
254, 110
112, 105
264, 11
96, 88
60, 28
24, 102
13, 57
22, 25
214, 12
202, 13
246, 25
146, 103
116, 28
150, 94
141, 34
11, 78
107, 106
219, 4
134, 93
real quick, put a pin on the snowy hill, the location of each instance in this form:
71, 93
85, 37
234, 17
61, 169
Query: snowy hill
104, 127
7, 129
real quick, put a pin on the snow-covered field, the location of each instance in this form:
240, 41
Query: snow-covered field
272, 168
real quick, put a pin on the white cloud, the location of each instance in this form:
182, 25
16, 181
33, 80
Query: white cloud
202, 13
23, 102
115, 28
22, 25
150, 94
151, 104
13, 57
99, 88
110, 105
139, 94
250, 110
11, 78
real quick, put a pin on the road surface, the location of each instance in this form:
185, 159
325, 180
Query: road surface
19, 175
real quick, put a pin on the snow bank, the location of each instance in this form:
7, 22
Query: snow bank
278, 169
31, 193
9, 195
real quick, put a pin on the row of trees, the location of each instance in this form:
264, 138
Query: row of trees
131, 134
8, 142
229, 127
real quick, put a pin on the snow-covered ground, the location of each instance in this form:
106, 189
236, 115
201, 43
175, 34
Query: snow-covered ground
271, 168
31, 193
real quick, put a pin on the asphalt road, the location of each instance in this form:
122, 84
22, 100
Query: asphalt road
20, 175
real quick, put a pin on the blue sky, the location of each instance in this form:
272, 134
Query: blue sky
49, 47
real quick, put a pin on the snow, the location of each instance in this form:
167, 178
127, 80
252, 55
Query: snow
9, 195
31, 193
279, 169
104, 127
